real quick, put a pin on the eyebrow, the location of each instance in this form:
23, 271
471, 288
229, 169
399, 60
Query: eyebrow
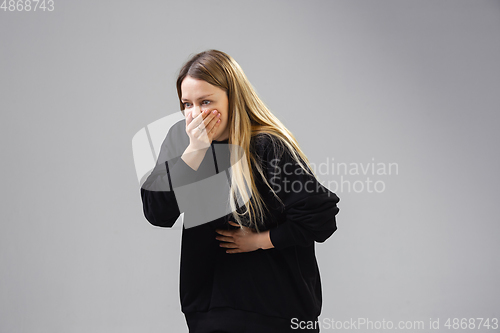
202, 97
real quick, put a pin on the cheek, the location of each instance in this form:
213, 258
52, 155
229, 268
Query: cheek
223, 122
223, 115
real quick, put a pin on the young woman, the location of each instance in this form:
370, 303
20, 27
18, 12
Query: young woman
252, 268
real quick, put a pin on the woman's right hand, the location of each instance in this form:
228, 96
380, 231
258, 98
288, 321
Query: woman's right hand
202, 127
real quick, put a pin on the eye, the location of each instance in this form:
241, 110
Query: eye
207, 102
186, 104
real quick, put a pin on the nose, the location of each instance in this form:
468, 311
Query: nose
196, 111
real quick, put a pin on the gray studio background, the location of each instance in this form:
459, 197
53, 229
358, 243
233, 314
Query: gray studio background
409, 82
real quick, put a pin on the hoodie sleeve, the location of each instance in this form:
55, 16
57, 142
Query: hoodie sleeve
159, 201
310, 208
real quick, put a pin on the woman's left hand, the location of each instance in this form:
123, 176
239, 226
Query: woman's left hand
240, 240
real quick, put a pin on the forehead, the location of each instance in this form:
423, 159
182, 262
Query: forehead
193, 88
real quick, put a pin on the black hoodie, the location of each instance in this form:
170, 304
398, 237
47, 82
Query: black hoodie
277, 284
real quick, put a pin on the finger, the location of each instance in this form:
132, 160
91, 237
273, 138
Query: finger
233, 251
213, 128
203, 119
224, 232
236, 224
210, 116
225, 239
215, 125
228, 245
201, 130
196, 119
213, 122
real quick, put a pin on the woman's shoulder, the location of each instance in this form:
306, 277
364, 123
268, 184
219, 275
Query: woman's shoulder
264, 144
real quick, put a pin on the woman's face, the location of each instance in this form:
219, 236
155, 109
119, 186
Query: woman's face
199, 95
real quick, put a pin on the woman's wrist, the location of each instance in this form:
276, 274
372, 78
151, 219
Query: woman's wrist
193, 157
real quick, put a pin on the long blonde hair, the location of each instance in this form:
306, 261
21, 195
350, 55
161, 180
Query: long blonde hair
248, 117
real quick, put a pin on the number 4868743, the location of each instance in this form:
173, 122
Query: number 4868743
27, 5
471, 323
